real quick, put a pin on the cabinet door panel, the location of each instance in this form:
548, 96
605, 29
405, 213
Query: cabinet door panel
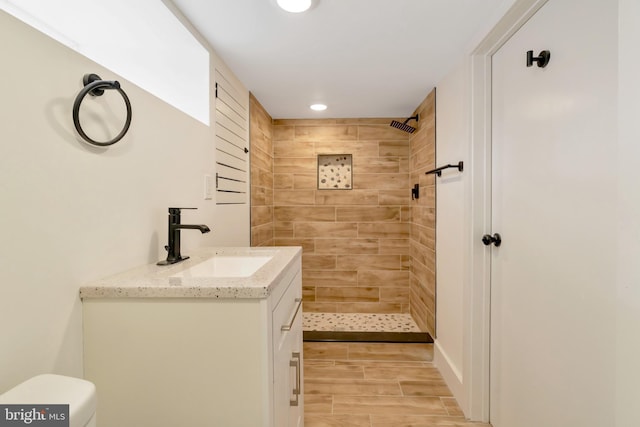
287, 357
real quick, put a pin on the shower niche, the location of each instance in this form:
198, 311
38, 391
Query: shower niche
335, 172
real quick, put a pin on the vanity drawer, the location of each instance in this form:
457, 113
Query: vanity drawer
287, 314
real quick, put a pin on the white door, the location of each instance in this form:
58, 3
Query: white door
553, 192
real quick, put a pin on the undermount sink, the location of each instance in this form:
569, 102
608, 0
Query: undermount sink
226, 266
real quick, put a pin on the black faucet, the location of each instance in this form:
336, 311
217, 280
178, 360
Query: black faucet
173, 248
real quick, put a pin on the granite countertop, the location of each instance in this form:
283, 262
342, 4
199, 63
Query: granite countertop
174, 281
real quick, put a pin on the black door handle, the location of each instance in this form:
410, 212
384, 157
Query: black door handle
488, 239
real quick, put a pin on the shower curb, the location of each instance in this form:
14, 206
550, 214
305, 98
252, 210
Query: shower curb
354, 336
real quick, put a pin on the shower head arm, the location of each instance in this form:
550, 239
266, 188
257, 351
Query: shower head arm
416, 118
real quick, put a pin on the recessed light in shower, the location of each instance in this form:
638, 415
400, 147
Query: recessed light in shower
294, 6
318, 107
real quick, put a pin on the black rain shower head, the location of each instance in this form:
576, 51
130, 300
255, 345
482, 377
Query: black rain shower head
404, 126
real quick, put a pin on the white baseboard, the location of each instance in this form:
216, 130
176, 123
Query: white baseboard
451, 374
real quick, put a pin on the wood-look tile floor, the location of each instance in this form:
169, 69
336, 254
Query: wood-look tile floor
376, 385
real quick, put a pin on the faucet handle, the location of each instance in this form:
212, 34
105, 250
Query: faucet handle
176, 211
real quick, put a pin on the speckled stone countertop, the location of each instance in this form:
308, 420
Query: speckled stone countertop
176, 280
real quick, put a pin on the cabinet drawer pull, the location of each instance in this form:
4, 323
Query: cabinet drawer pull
296, 391
290, 325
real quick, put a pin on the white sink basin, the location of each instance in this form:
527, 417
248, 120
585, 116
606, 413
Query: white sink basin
226, 266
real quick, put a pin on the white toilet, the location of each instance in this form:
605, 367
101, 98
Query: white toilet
57, 389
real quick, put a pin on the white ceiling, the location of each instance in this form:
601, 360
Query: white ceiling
363, 58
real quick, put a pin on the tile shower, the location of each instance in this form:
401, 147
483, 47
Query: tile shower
368, 251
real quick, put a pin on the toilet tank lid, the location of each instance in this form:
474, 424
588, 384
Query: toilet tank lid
56, 389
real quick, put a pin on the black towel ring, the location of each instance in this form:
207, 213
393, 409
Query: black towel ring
95, 86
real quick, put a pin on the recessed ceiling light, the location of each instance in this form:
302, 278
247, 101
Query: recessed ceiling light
318, 107
294, 6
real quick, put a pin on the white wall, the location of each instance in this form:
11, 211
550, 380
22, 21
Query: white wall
179, 64
452, 136
72, 213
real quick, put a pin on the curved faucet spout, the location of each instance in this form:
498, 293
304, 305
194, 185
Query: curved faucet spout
203, 228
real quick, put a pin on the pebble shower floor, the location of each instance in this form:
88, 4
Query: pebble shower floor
359, 322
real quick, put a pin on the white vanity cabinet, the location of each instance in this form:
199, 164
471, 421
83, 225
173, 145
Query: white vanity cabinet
196, 361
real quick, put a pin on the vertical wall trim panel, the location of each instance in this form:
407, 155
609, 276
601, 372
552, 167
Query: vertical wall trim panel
232, 157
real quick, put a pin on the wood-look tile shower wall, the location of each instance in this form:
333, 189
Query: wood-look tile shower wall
356, 250
369, 249
261, 155
423, 218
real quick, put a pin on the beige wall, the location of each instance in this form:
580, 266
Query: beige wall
73, 213
260, 134
423, 222
355, 242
